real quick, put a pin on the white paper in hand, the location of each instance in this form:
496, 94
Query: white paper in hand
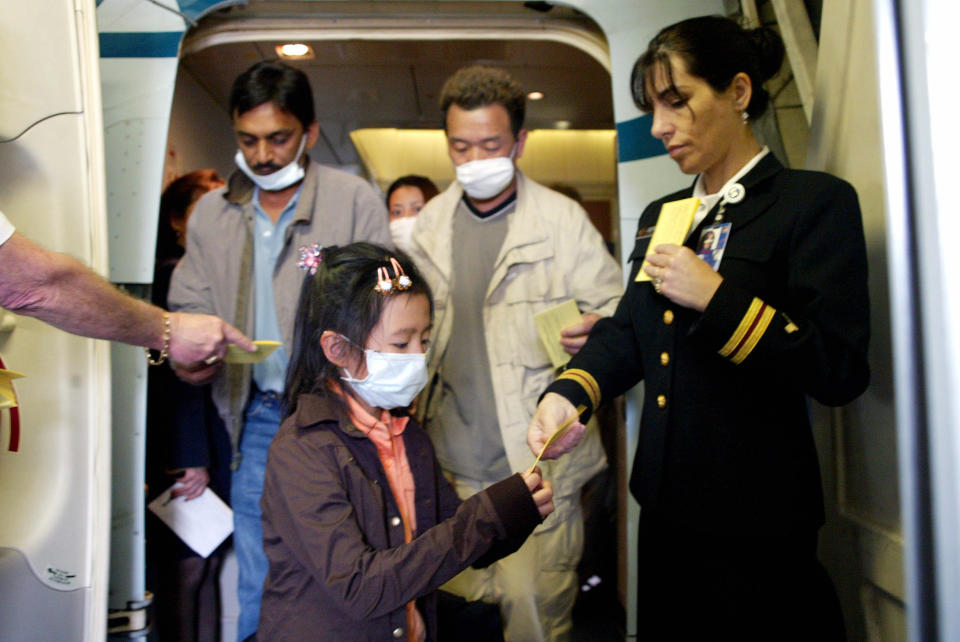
202, 523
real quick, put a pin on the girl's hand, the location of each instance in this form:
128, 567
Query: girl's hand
541, 490
684, 278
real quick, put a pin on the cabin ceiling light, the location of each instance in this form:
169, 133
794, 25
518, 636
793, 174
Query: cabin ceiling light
535, 95
295, 50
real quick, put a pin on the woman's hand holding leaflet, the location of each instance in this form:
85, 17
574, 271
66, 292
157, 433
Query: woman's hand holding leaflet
552, 412
683, 277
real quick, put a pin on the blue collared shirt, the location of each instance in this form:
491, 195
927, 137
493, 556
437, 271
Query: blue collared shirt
268, 242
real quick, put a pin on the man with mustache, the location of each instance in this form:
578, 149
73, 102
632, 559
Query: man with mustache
241, 264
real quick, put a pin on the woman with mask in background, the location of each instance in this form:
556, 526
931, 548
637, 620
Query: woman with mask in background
405, 197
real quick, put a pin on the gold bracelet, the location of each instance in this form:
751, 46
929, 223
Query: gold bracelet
166, 343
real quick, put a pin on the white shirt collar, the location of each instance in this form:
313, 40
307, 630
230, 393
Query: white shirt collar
708, 201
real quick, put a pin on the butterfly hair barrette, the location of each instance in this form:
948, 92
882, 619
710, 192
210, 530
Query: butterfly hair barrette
390, 285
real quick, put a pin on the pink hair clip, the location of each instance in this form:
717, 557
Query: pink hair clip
400, 281
310, 258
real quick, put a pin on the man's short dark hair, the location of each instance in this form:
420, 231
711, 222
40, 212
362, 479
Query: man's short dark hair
474, 87
277, 83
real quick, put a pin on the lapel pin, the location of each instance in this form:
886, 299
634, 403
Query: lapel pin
734, 193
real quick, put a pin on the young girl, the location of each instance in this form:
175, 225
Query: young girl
359, 524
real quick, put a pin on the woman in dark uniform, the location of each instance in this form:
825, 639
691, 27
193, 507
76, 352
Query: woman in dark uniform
726, 471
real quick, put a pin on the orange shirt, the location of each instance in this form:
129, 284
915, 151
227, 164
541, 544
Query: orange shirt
386, 433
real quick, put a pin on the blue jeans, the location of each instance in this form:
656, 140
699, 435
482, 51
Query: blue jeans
261, 421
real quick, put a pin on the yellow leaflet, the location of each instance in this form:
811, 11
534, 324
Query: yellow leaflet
550, 322
673, 225
239, 355
558, 433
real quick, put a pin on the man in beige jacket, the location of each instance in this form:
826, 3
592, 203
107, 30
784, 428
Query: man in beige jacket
496, 248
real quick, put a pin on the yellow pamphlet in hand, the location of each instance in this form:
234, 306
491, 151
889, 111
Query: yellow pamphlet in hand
673, 225
550, 322
558, 433
239, 355
8, 398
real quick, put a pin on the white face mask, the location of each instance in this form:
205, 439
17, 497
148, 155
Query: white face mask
487, 177
401, 229
393, 379
278, 180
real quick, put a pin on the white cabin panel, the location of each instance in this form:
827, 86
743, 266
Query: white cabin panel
137, 15
137, 93
39, 85
55, 502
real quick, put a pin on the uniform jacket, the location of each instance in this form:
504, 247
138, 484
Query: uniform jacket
725, 441
339, 567
335, 208
551, 253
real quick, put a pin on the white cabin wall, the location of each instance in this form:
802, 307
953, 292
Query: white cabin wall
862, 542
55, 487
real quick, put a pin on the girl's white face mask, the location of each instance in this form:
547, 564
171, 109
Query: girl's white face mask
280, 179
487, 177
393, 379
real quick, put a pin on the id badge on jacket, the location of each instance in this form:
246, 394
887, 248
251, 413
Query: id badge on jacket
713, 240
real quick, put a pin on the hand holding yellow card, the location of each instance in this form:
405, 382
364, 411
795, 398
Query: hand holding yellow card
673, 225
557, 434
239, 355
550, 322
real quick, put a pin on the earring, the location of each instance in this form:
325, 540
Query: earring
745, 116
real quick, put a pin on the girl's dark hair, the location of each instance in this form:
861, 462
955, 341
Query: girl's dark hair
422, 183
715, 49
340, 297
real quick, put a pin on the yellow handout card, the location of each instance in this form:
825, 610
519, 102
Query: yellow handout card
239, 355
550, 322
673, 225
8, 398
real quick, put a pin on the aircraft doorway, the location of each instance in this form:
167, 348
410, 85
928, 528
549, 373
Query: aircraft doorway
376, 102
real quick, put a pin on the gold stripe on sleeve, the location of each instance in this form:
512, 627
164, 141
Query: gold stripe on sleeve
586, 381
746, 323
756, 333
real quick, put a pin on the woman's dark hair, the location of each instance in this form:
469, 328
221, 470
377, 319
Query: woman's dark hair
181, 193
422, 183
174, 203
277, 83
340, 297
715, 49
478, 86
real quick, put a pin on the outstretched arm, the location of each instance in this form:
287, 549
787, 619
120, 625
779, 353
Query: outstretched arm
61, 291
